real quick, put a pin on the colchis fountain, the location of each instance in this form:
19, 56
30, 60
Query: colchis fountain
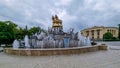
54, 42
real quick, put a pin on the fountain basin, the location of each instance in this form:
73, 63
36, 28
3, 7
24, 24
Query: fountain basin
54, 51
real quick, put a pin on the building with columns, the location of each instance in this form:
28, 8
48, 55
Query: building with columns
97, 32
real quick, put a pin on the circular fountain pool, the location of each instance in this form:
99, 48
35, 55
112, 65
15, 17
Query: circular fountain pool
53, 51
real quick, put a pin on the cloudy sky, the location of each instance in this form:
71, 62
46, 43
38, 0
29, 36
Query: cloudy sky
78, 14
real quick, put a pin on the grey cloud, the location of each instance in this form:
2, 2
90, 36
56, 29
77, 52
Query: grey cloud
78, 14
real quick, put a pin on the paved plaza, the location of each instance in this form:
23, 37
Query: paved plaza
99, 59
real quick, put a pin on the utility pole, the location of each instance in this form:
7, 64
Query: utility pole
119, 31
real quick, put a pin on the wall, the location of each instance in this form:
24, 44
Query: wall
54, 51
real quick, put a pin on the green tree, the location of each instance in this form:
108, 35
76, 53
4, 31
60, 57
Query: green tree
20, 33
7, 32
34, 30
108, 36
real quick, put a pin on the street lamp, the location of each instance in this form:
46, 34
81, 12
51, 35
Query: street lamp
119, 31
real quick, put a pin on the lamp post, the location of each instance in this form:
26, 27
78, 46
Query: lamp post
119, 31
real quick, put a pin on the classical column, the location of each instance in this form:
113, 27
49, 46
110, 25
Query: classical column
90, 34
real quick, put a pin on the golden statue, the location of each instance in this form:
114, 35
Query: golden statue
57, 23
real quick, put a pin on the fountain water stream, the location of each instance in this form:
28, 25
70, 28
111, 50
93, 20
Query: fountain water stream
15, 44
55, 38
26, 39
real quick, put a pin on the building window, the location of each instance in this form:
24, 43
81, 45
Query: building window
92, 32
98, 37
98, 32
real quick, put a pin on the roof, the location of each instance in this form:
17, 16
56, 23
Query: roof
99, 27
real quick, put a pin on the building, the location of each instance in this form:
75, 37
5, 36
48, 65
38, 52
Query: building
97, 32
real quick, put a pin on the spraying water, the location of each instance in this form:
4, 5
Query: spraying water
26, 39
15, 44
83, 41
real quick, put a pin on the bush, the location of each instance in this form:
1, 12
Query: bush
111, 40
109, 37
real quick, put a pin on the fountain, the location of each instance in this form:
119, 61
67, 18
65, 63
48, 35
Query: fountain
26, 39
54, 42
15, 44
88, 43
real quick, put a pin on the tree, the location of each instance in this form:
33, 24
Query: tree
20, 33
108, 35
7, 32
34, 30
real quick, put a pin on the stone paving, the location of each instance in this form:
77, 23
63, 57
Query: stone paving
99, 59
